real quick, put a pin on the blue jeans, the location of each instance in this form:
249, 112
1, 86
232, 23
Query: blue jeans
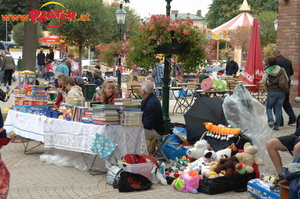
158, 84
275, 101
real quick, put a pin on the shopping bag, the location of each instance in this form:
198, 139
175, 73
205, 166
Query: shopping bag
103, 146
4, 179
113, 174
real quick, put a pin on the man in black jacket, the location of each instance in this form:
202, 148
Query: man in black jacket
287, 65
152, 117
231, 67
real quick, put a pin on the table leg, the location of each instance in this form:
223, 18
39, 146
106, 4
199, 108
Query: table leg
26, 150
90, 169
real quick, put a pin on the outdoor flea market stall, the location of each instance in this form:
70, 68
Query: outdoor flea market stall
71, 133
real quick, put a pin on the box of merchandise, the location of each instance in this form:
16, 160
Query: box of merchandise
261, 189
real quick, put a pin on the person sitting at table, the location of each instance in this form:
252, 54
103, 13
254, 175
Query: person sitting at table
152, 117
61, 90
108, 92
74, 92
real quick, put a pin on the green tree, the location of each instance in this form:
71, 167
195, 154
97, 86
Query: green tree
221, 11
267, 29
18, 30
131, 22
14, 7
95, 30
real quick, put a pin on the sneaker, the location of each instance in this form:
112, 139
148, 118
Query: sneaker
271, 125
291, 122
276, 128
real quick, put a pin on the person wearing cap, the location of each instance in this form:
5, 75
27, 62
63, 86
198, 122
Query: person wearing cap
97, 79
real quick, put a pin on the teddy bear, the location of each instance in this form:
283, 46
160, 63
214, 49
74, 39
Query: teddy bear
188, 182
248, 157
209, 156
206, 170
228, 165
198, 150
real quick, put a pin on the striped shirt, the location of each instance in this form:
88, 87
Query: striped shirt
158, 72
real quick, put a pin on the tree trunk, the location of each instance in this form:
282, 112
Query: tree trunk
80, 56
30, 42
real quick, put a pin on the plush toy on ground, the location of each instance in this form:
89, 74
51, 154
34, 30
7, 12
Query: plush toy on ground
206, 170
248, 157
209, 156
188, 182
198, 150
228, 165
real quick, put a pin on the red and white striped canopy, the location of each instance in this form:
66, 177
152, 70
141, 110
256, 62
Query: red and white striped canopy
243, 19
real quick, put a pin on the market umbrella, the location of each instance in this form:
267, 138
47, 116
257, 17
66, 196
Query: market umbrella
254, 68
205, 109
52, 39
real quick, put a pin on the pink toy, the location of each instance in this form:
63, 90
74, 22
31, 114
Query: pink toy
188, 182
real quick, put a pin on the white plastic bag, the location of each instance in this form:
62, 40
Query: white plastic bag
247, 113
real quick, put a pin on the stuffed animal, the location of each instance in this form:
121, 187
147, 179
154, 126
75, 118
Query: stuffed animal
206, 170
188, 182
226, 153
248, 157
228, 165
198, 150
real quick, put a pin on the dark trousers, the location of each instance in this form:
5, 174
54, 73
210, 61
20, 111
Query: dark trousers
3, 133
8, 76
288, 108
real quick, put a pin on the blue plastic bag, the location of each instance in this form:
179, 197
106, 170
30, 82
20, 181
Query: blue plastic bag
172, 152
174, 138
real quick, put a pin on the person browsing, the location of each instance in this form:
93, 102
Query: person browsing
231, 67
152, 117
288, 67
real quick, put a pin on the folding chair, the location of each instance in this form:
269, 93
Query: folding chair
157, 143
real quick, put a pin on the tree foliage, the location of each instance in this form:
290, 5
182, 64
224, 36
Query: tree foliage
267, 29
18, 35
14, 7
240, 37
96, 29
221, 11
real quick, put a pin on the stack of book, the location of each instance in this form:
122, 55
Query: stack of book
130, 115
106, 114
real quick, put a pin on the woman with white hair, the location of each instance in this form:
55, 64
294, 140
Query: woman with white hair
152, 117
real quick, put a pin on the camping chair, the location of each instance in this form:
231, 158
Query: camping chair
157, 143
261, 94
190, 94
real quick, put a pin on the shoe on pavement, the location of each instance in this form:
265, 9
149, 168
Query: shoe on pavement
276, 128
291, 122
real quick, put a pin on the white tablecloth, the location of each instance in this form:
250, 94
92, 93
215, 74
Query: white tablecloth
75, 136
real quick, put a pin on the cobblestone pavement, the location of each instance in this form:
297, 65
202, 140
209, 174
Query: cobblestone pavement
33, 179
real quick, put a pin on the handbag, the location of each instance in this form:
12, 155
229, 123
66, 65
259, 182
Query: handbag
103, 146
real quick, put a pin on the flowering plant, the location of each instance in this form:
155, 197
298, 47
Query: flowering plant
142, 49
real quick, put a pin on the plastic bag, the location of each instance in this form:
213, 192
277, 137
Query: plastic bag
245, 112
180, 132
172, 152
174, 138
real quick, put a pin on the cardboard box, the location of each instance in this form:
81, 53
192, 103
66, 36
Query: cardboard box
284, 189
260, 189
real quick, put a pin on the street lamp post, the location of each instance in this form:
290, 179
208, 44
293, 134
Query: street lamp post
166, 80
121, 15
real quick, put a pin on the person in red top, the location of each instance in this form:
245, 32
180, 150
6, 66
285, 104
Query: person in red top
108, 92
60, 90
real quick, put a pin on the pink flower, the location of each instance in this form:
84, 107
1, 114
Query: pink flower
151, 28
144, 51
186, 32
